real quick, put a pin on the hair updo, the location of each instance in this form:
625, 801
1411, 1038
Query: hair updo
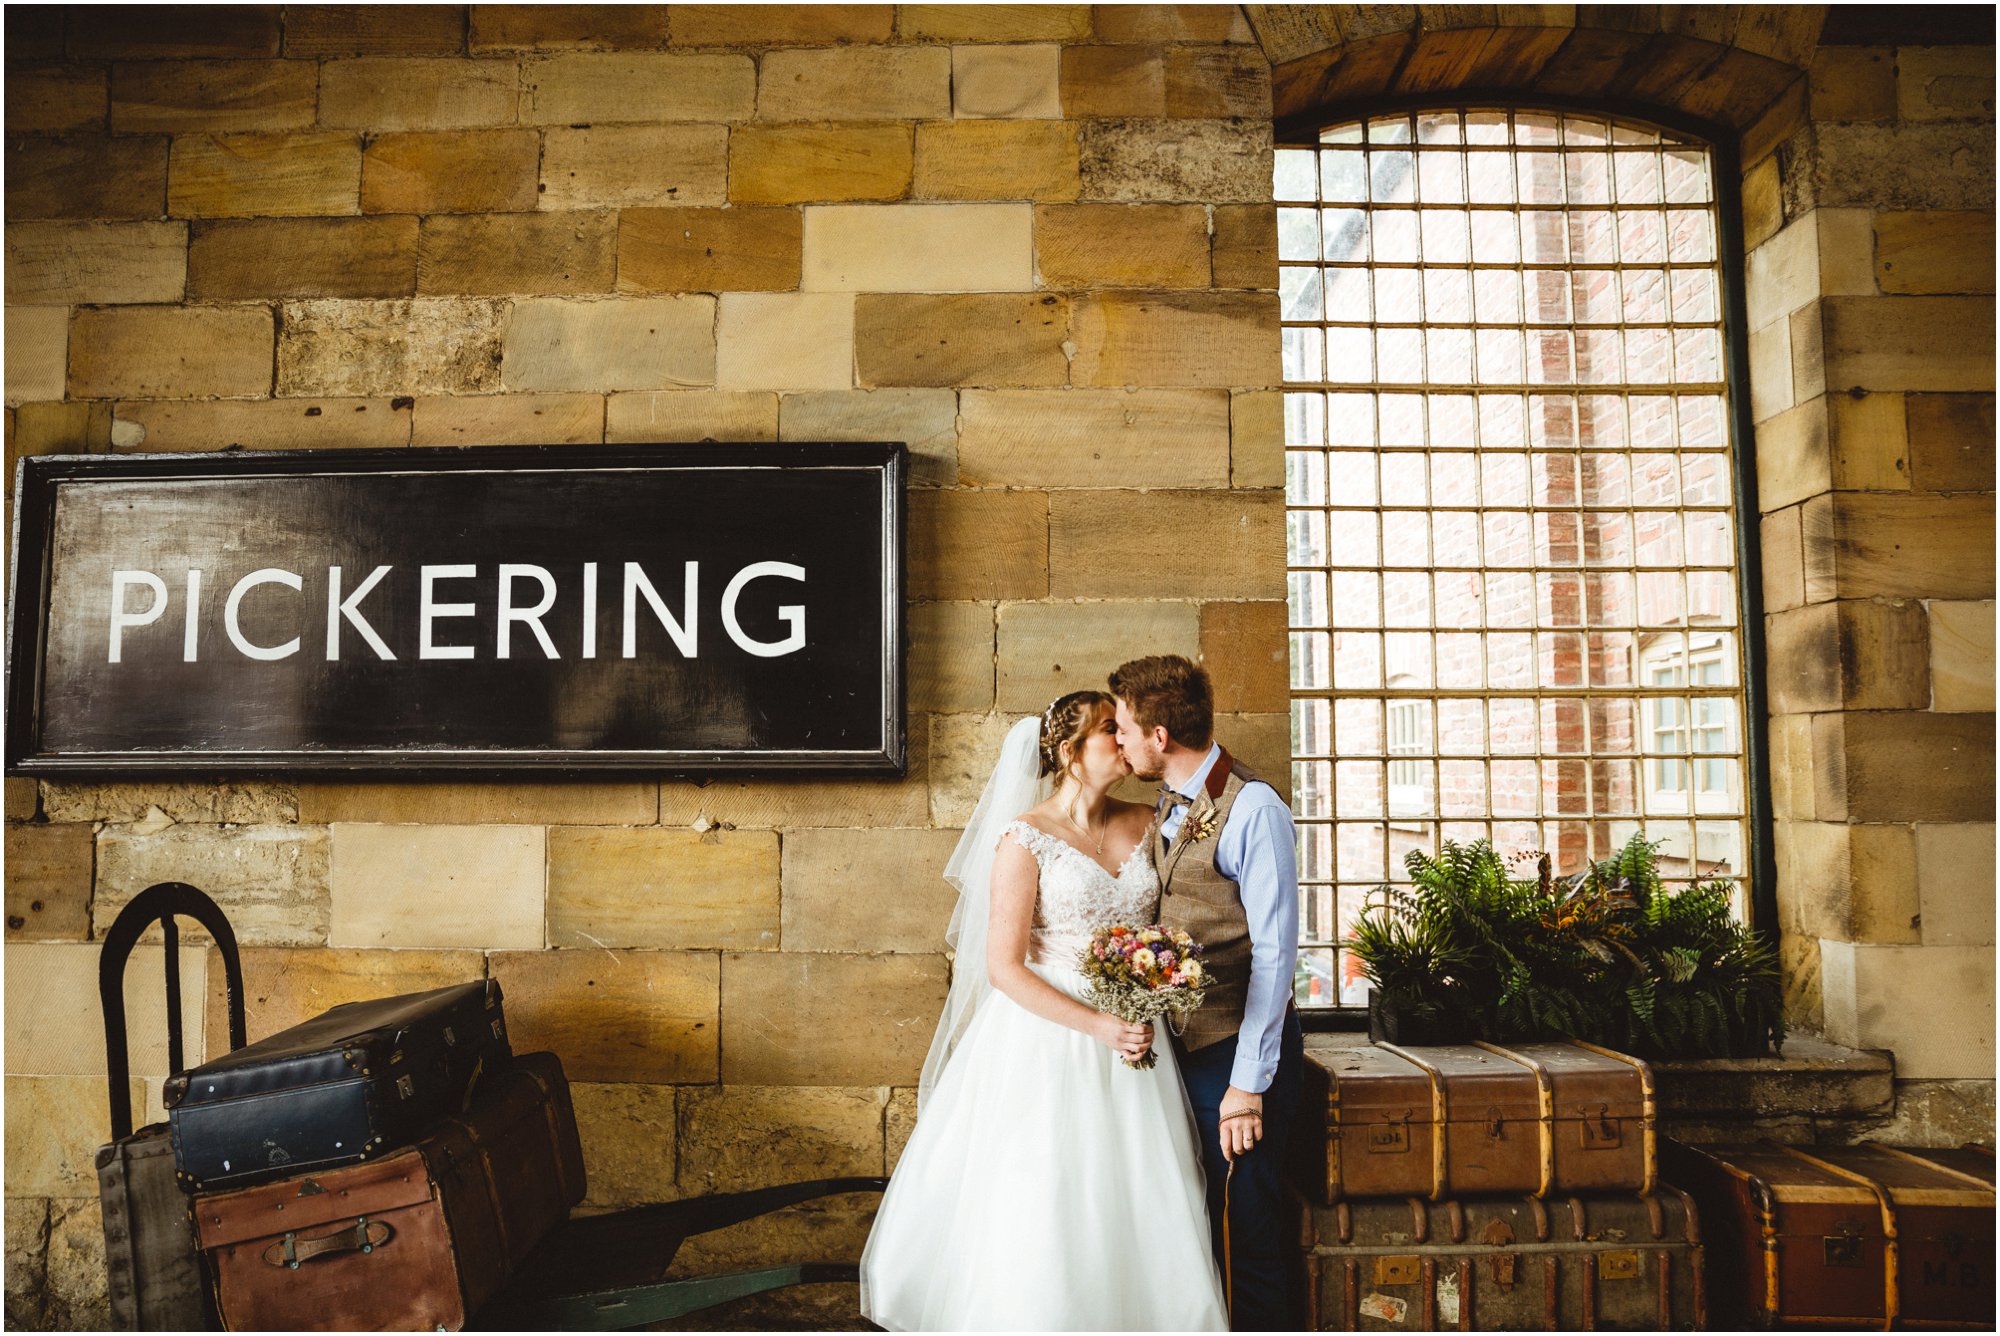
1070, 719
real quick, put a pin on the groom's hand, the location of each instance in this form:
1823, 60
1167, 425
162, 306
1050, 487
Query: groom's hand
1241, 1133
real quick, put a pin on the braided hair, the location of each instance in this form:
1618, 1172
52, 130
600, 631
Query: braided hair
1069, 719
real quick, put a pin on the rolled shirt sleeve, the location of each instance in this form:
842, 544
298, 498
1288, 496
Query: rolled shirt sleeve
1258, 851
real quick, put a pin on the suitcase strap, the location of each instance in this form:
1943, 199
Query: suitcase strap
1891, 1284
364, 1235
1440, 1170
1545, 1098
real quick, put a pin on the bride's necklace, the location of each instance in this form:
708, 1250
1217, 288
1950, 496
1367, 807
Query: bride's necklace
1084, 831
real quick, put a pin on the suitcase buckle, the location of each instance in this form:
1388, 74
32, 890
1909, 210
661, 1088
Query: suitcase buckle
1390, 1137
1498, 1233
1843, 1249
1599, 1131
405, 1087
1618, 1265
1398, 1270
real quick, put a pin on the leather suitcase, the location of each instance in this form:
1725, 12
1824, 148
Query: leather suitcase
1845, 1236
355, 1082
1630, 1261
1470, 1119
417, 1239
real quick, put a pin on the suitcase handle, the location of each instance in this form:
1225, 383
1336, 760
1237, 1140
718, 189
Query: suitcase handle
160, 904
365, 1236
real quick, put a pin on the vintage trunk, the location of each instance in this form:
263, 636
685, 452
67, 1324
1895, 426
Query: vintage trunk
153, 1275
355, 1082
415, 1240
1601, 1263
1831, 1236
1474, 1118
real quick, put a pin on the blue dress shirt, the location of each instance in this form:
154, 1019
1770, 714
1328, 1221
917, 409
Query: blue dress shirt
1257, 850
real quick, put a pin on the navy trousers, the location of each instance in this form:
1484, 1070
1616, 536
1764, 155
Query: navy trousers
1260, 1260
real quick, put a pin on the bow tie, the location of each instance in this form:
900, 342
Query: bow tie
1170, 799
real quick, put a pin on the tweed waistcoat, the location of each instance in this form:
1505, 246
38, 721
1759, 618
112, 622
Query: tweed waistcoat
1194, 896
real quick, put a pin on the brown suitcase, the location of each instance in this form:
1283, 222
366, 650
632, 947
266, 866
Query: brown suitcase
1845, 1236
1608, 1262
1468, 1119
416, 1240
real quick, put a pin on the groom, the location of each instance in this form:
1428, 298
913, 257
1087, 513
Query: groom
1229, 875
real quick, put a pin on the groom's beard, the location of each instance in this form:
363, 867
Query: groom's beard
1145, 769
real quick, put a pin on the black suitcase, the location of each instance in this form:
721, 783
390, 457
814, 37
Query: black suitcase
153, 1271
361, 1080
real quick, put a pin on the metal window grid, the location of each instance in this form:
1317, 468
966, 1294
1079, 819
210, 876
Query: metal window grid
1508, 480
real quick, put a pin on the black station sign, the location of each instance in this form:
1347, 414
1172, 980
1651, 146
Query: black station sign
647, 609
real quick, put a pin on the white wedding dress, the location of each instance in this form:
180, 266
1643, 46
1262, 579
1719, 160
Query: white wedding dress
1047, 1186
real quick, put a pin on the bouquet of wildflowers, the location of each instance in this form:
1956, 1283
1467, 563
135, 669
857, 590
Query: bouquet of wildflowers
1142, 974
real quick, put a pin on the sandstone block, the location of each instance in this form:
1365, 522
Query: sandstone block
611, 887
1909, 343
740, 1137
627, 344
795, 804
1869, 442
64, 264
86, 176
498, 253
963, 749
361, 30
1886, 166
1171, 23
1204, 161
1852, 883
780, 25
274, 176
1880, 544
1049, 649
1122, 245
1792, 771
1196, 339
785, 340
611, 804
1244, 250
742, 249
855, 83
830, 1229
967, 339
691, 415
1217, 81
629, 1142
919, 248
1932, 1006
54, 98
1783, 554
437, 886
924, 420
897, 1125
1094, 438
1955, 871
567, 27
1936, 251
1943, 83
978, 545
423, 346
23, 799
1846, 252
1771, 390
1106, 544
1902, 766
56, 983
1794, 455
1783, 274
1961, 657
205, 804
48, 429
867, 890
628, 166
1101, 81
167, 352
283, 987
48, 882
417, 94
988, 160
1951, 442
1850, 654
76, 1294
164, 32
639, 86
455, 171
270, 880
27, 1233
785, 164
869, 1024
270, 424
1257, 438
1853, 83
1763, 208
176, 96
264, 258
1247, 654
951, 656
645, 1017
1263, 741
992, 23
37, 353
1019, 82
54, 1126
509, 419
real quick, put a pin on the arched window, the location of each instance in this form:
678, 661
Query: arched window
1513, 547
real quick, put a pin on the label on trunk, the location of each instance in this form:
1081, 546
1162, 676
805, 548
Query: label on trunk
1384, 1308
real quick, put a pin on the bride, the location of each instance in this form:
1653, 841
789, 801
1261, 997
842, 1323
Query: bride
1047, 1185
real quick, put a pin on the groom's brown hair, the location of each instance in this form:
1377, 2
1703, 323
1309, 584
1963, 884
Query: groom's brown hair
1166, 690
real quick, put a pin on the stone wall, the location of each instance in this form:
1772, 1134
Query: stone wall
1034, 243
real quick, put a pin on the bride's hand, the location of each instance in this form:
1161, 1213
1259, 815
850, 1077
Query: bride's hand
1127, 1040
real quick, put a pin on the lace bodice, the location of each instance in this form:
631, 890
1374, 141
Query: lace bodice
1077, 894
